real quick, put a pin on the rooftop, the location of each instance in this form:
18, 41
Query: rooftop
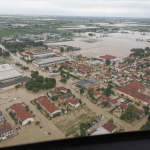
109, 126
86, 83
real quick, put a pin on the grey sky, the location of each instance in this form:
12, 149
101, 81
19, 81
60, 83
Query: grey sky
102, 8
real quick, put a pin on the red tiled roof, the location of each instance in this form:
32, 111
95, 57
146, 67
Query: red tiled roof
52, 92
103, 98
47, 104
61, 88
73, 101
96, 93
4, 128
108, 57
123, 106
141, 112
109, 126
21, 111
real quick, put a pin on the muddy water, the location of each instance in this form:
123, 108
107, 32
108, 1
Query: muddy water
117, 44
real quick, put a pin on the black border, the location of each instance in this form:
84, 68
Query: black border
86, 141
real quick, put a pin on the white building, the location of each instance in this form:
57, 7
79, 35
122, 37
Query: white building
74, 103
8, 73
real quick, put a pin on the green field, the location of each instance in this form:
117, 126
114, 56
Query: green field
5, 60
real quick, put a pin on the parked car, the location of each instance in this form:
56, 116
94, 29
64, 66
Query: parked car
19, 128
41, 127
49, 133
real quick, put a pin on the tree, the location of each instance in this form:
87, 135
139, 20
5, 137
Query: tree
114, 63
38, 106
68, 90
37, 122
108, 91
82, 91
146, 108
107, 62
111, 120
146, 126
64, 104
105, 103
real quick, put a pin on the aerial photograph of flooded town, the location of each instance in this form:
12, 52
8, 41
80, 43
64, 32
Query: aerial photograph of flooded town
73, 69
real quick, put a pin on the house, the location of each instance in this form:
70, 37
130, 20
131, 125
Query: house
82, 74
60, 89
5, 131
23, 116
140, 112
1, 116
123, 106
65, 98
97, 76
85, 70
51, 109
124, 81
96, 94
108, 73
131, 78
115, 75
81, 65
110, 127
52, 93
120, 73
74, 103
118, 82
127, 71
112, 102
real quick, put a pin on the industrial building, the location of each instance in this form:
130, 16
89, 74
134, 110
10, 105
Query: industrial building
8, 73
44, 56
109, 57
88, 83
49, 61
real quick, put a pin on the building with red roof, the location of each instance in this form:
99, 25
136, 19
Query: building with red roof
51, 109
123, 106
110, 127
112, 102
51, 94
140, 112
60, 89
74, 103
96, 94
108, 57
5, 131
21, 113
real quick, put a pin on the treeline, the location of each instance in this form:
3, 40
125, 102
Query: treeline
13, 47
140, 52
39, 82
4, 54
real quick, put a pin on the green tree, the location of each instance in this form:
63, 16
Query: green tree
38, 106
82, 91
107, 62
37, 122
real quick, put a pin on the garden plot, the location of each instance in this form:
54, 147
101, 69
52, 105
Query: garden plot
70, 123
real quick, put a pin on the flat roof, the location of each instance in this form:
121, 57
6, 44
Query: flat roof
44, 55
35, 52
5, 67
8, 74
50, 60
87, 82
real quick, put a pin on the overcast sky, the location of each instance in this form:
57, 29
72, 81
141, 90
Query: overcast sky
102, 8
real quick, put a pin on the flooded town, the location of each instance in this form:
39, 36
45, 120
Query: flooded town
67, 77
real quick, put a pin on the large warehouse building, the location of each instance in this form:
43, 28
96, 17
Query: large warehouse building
49, 61
8, 73
88, 83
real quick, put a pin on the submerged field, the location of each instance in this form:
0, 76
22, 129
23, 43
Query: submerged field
70, 122
5, 60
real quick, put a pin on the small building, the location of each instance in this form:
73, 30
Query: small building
141, 112
52, 93
74, 103
110, 127
96, 94
5, 131
60, 89
123, 106
65, 98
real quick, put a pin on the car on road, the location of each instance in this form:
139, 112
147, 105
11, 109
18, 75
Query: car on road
41, 127
49, 133
10, 100
16, 128
19, 128
45, 133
